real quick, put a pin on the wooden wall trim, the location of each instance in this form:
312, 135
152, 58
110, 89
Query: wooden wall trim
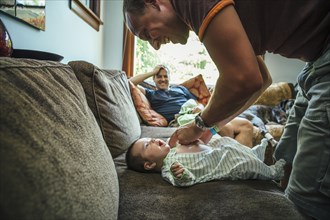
128, 52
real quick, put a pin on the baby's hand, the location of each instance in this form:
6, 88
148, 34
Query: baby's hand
177, 170
197, 109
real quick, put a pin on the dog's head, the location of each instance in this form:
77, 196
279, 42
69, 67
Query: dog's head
287, 105
279, 115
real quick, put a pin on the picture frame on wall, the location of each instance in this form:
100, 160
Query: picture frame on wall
31, 12
89, 11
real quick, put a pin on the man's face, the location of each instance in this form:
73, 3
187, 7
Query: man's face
161, 80
152, 150
158, 25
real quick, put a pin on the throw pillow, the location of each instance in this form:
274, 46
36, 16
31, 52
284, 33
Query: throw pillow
142, 106
54, 161
197, 86
109, 98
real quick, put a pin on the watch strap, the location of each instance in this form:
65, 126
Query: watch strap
214, 130
200, 123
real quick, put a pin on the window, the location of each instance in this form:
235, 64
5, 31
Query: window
184, 61
88, 10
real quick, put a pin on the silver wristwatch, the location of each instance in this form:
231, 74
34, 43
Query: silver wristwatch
200, 123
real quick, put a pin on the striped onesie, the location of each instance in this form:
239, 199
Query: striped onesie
225, 159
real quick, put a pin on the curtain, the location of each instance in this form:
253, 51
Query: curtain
128, 52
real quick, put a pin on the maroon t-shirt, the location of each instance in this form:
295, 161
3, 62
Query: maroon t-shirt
292, 28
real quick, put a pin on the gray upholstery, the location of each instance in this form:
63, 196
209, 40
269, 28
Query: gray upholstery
108, 96
54, 161
156, 132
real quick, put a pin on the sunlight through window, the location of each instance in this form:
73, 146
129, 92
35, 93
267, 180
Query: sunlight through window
184, 61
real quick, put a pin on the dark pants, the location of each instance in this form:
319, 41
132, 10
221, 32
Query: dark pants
305, 142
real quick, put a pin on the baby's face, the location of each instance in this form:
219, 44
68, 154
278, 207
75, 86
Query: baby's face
150, 149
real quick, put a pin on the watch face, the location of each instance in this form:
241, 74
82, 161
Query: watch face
199, 122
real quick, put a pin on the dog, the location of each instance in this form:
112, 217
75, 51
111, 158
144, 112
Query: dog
260, 115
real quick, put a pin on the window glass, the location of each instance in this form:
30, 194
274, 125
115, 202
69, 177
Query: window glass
184, 61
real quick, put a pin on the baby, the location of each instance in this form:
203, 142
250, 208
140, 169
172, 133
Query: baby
223, 158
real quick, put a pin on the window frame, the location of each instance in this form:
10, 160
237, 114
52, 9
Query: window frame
90, 14
128, 52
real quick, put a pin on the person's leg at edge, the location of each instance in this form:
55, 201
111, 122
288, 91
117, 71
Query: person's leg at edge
287, 145
309, 184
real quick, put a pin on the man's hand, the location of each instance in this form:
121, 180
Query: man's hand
185, 135
177, 170
157, 69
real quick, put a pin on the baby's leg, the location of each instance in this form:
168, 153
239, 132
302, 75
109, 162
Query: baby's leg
259, 150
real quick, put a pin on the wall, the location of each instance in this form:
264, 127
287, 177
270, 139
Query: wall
283, 69
113, 34
66, 34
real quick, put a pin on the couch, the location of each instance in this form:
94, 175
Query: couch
64, 130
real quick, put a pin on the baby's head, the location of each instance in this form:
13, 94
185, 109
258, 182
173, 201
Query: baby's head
147, 155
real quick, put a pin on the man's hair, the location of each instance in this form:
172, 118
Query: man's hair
133, 6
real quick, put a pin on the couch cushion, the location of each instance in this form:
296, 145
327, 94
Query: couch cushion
54, 161
157, 132
109, 97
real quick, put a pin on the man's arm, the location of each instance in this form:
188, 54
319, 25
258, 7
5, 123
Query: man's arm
136, 80
243, 76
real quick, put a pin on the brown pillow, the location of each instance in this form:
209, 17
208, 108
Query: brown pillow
142, 106
197, 87
276, 93
109, 98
